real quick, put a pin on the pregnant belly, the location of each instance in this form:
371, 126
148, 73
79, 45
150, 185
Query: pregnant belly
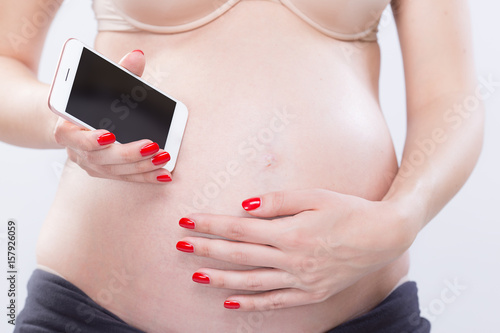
116, 240
261, 119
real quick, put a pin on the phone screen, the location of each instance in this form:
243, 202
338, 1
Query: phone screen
106, 97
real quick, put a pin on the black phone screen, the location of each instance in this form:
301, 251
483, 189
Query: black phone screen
106, 97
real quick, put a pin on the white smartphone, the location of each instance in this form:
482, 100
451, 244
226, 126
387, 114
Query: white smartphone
95, 93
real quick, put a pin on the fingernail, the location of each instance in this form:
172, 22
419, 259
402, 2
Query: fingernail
161, 158
201, 278
138, 51
186, 223
164, 178
106, 139
149, 149
185, 247
251, 204
231, 305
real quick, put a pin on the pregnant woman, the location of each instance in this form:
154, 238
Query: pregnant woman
287, 210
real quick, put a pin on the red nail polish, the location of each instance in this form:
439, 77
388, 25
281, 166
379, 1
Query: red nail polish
138, 51
186, 223
185, 247
106, 139
164, 178
149, 149
251, 204
231, 305
201, 278
161, 158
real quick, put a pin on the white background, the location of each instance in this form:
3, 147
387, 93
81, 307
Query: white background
460, 246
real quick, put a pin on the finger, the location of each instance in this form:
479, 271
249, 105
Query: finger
248, 230
125, 153
134, 61
70, 135
146, 165
144, 171
160, 176
233, 252
273, 300
260, 279
284, 203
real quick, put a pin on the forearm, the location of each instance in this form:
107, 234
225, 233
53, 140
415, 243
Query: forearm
443, 143
25, 119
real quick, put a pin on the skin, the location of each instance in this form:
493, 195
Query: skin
330, 238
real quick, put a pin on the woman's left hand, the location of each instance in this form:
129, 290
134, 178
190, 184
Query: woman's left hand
307, 244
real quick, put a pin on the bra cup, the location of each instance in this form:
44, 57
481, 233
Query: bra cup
170, 13
348, 20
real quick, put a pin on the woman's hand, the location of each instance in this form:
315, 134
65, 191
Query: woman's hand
94, 151
315, 244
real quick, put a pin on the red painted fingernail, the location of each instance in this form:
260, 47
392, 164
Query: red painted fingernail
251, 204
185, 247
231, 305
201, 278
106, 139
150, 149
161, 158
186, 223
164, 178
138, 51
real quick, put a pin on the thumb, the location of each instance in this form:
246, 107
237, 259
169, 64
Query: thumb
134, 61
283, 203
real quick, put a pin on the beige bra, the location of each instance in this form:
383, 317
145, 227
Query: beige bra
349, 20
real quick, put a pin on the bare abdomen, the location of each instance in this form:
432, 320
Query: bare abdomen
282, 108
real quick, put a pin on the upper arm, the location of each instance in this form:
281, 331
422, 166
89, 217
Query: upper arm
23, 28
435, 37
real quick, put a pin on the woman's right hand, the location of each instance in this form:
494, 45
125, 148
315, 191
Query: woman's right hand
96, 153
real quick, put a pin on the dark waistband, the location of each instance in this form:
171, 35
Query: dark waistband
398, 313
56, 305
